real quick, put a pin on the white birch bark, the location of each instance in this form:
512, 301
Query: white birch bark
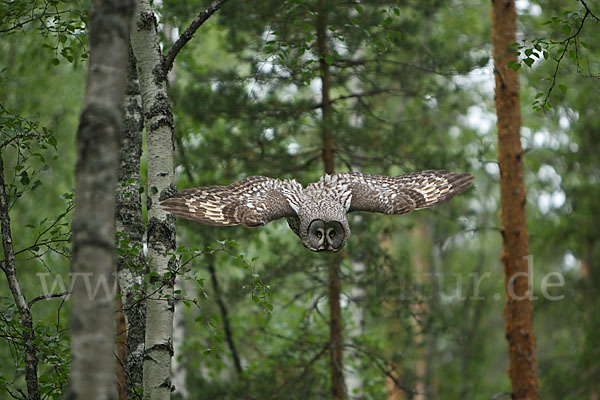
161, 227
93, 261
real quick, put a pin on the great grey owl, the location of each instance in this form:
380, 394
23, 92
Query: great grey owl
317, 213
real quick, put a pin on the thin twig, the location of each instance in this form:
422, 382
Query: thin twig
587, 9
47, 296
567, 42
396, 62
188, 34
302, 374
44, 14
553, 84
373, 92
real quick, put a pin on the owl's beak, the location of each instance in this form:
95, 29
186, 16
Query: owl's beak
327, 247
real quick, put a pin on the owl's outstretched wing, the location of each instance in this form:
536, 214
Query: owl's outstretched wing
404, 193
253, 201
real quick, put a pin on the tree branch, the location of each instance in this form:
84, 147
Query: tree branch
9, 268
47, 296
187, 35
302, 374
567, 42
587, 9
224, 316
40, 16
369, 93
341, 63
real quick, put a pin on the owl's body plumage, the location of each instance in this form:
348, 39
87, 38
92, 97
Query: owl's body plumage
317, 213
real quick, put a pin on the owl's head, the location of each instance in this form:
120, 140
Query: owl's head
325, 236
321, 223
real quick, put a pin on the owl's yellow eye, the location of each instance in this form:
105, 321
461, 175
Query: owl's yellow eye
332, 234
319, 234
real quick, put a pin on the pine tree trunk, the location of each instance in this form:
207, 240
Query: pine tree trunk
519, 311
130, 228
161, 227
421, 259
335, 284
93, 227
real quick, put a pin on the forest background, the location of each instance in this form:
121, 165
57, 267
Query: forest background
411, 87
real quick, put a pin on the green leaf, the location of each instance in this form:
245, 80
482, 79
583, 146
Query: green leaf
573, 54
35, 185
329, 59
563, 88
359, 9
24, 178
512, 64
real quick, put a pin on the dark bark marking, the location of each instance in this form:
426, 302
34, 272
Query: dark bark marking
147, 21
96, 123
158, 72
161, 235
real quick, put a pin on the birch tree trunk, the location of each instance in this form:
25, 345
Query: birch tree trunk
161, 227
519, 311
335, 284
130, 228
93, 258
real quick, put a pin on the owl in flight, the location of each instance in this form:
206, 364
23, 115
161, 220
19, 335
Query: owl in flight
317, 213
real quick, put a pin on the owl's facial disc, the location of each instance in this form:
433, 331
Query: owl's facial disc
316, 235
334, 235
325, 236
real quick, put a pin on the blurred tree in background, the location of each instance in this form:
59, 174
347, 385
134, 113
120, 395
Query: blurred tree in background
411, 88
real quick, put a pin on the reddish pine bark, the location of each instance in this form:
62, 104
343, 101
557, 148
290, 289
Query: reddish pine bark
518, 311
